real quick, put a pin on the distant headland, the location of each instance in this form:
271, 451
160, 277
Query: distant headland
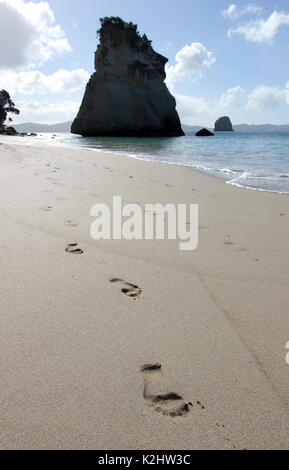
239, 128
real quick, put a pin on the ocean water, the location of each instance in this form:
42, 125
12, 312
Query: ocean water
255, 161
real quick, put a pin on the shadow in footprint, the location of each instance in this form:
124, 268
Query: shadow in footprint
126, 288
72, 248
169, 404
70, 223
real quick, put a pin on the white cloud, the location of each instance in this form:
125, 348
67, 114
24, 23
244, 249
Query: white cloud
266, 98
236, 102
262, 30
29, 34
28, 83
13, 48
252, 9
191, 61
47, 112
196, 110
233, 12
189, 106
232, 97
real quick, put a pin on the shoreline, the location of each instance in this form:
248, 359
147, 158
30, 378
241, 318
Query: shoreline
217, 173
74, 343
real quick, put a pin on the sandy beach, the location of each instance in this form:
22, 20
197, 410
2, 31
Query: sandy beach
73, 344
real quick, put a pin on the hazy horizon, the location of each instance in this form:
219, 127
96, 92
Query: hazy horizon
183, 124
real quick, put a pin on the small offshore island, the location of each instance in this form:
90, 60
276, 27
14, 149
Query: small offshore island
127, 96
223, 124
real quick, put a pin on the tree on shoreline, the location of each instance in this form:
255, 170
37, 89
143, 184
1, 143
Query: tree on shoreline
6, 106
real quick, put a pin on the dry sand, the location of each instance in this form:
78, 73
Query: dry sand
73, 345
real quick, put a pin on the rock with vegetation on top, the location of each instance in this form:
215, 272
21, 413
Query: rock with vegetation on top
6, 106
8, 130
127, 96
223, 124
204, 133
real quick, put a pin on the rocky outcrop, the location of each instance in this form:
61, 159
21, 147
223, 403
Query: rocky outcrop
11, 131
7, 130
127, 96
204, 133
223, 124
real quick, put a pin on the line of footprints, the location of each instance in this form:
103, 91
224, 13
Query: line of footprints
169, 404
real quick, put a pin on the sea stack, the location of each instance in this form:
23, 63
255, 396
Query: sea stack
127, 96
223, 124
204, 133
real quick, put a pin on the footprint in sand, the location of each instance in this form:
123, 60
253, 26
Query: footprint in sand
70, 223
170, 403
126, 288
229, 241
72, 248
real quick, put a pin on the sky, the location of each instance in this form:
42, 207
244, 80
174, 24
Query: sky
225, 58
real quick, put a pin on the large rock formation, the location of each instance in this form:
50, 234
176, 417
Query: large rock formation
127, 96
11, 131
223, 124
204, 133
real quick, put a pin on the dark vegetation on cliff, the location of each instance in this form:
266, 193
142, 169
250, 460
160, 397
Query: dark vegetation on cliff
6, 106
113, 23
